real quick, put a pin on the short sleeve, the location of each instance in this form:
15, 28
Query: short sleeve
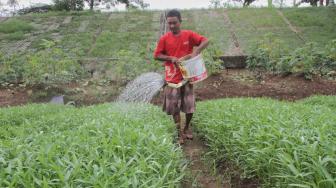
160, 48
196, 38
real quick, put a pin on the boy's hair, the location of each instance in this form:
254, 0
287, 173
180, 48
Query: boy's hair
174, 13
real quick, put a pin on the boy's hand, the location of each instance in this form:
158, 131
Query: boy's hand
195, 52
175, 60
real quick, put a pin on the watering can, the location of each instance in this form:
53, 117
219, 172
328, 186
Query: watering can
193, 70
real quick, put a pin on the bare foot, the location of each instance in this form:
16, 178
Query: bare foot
189, 136
181, 140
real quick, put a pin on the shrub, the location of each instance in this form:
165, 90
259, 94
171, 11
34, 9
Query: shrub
309, 60
68, 5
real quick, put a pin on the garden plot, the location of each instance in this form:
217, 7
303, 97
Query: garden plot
111, 145
283, 144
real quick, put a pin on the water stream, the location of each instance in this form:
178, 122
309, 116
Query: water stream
143, 88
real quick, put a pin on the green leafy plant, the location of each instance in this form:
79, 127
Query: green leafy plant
50, 66
110, 145
47, 66
212, 63
11, 69
283, 144
309, 60
266, 54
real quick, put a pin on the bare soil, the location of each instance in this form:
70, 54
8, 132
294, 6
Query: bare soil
243, 83
227, 84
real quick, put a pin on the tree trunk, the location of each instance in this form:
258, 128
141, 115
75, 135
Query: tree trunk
321, 2
91, 4
313, 3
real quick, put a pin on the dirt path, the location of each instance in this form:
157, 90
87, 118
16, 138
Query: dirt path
235, 48
93, 64
67, 20
291, 27
99, 30
200, 172
83, 26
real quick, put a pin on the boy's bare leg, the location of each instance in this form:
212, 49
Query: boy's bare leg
187, 133
177, 120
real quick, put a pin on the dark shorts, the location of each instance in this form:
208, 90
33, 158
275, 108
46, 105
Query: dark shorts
179, 99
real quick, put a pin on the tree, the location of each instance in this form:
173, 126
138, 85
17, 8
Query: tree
128, 3
69, 5
217, 3
13, 3
311, 2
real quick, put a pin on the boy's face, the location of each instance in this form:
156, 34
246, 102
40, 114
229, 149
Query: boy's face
174, 24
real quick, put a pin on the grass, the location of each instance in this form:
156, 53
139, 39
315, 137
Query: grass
210, 24
15, 25
252, 24
325, 101
19, 35
110, 145
315, 24
284, 144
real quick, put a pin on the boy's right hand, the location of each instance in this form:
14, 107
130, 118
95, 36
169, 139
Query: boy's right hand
175, 60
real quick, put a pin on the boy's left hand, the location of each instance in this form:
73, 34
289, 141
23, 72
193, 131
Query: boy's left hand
195, 52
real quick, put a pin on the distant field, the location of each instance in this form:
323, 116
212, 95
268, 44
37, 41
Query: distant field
138, 31
119, 46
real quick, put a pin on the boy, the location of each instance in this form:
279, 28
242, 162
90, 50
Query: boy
171, 47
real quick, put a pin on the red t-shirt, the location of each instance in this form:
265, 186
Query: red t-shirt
177, 46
